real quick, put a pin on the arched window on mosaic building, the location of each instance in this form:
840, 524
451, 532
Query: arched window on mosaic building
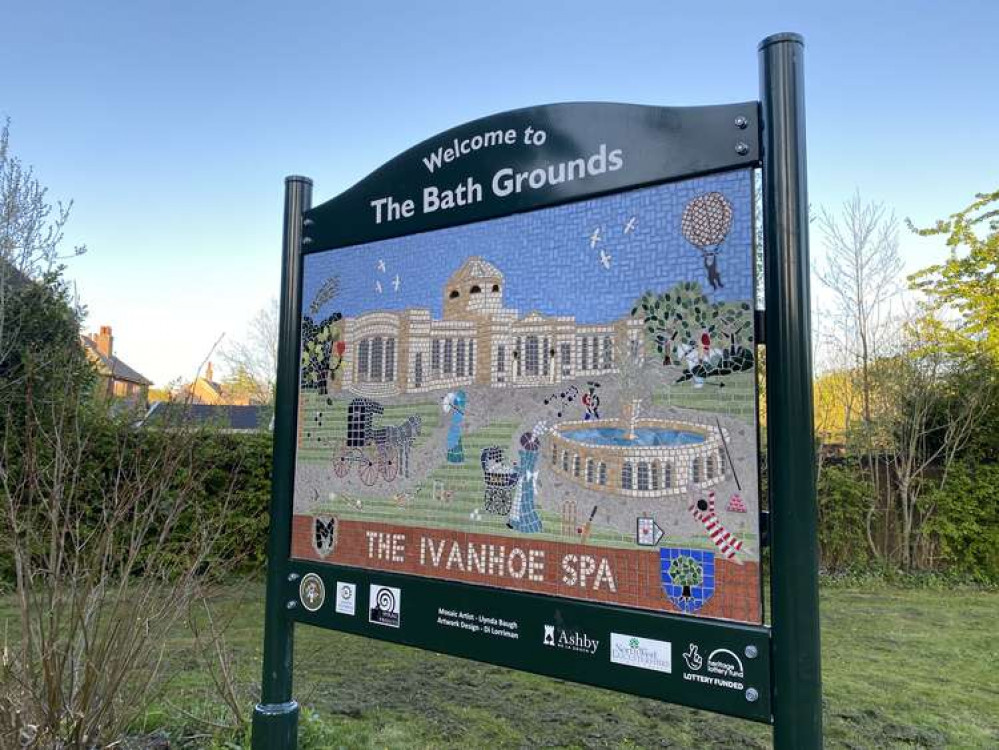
390, 360
654, 475
554, 454
448, 356
435, 358
363, 357
697, 470
722, 464
667, 475
460, 369
608, 352
377, 359
643, 475
532, 356
565, 461
565, 353
589, 471
627, 480
575, 466
711, 466
602, 473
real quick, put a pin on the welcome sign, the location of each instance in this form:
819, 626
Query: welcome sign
520, 402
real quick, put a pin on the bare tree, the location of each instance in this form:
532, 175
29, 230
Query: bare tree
862, 270
31, 230
109, 549
252, 360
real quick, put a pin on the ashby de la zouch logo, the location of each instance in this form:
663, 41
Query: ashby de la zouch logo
570, 640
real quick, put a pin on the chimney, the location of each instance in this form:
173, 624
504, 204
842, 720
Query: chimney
209, 373
104, 341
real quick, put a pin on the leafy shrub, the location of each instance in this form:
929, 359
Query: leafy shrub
964, 521
844, 497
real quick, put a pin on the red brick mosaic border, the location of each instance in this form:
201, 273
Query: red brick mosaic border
616, 576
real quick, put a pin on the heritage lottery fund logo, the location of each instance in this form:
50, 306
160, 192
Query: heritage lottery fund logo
721, 668
386, 606
644, 653
574, 640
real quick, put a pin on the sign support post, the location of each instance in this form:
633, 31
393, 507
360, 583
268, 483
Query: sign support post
275, 718
790, 436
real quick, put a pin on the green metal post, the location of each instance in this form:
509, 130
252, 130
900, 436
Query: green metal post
275, 719
797, 682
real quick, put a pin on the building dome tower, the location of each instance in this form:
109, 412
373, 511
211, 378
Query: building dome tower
474, 290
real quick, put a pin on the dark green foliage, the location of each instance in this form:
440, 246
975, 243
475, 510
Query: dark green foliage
965, 521
843, 502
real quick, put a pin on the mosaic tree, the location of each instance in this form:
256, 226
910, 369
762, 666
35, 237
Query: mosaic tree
320, 341
684, 571
676, 320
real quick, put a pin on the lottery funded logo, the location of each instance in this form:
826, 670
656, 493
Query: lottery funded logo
644, 653
312, 592
721, 668
385, 606
346, 598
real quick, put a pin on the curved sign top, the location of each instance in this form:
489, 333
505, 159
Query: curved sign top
530, 158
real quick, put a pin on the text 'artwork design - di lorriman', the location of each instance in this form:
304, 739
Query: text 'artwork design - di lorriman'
561, 401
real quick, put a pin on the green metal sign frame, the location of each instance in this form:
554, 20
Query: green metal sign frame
780, 670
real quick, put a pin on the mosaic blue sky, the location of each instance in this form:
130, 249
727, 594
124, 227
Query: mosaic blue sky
591, 259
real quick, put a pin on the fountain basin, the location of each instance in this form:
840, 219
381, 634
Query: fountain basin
663, 457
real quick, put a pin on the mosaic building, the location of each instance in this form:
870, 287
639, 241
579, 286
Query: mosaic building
477, 341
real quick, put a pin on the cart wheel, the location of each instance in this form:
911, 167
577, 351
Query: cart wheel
341, 463
388, 468
367, 470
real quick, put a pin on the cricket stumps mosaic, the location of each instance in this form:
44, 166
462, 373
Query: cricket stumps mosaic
562, 401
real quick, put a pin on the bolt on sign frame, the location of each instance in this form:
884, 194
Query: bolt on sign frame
572, 595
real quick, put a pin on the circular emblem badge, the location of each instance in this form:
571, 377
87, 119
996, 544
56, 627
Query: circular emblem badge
312, 592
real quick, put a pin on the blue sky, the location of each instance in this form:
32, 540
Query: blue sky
172, 125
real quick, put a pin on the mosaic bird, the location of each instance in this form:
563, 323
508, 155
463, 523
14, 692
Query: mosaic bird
381, 266
595, 238
378, 287
605, 259
396, 282
629, 226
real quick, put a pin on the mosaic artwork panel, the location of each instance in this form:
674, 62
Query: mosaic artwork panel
561, 401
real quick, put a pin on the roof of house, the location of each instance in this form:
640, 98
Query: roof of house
112, 366
223, 416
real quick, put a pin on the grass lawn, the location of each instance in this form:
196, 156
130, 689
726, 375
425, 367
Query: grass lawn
902, 669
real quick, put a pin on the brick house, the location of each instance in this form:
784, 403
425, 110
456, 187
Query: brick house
116, 379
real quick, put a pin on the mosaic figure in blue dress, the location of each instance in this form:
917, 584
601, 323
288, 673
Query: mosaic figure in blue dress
454, 404
524, 516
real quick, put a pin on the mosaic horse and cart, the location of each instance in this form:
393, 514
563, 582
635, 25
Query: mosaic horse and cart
376, 451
